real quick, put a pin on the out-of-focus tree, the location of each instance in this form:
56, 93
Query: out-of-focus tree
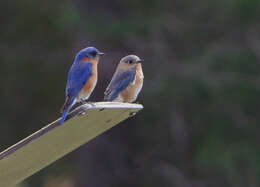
202, 74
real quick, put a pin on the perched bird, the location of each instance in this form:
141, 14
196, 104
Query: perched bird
127, 81
82, 78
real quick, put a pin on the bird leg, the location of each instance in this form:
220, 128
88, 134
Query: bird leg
83, 101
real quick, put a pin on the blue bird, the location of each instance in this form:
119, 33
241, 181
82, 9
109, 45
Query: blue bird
82, 78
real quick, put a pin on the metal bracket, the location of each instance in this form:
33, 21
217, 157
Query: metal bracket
56, 140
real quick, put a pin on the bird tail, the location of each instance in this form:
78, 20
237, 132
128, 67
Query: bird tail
66, 108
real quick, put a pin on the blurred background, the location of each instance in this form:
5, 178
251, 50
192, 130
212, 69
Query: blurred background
200, 125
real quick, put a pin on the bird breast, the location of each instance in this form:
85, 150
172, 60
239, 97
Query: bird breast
131, 92
90, 84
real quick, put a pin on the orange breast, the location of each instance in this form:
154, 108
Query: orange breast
91, 60
90, 84
131, 92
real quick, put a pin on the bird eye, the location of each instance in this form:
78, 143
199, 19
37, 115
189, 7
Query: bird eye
130, 61
93, 53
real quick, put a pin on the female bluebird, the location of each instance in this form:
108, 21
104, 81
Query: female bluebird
82, 78
127, 81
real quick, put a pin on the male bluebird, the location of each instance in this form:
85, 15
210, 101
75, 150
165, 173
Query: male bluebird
82, 78
127, 81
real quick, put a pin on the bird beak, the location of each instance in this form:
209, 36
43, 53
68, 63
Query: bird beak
101, 54
140, 61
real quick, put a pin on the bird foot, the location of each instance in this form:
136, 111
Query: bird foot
87, 102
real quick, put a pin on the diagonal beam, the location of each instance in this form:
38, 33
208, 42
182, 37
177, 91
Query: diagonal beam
55, 140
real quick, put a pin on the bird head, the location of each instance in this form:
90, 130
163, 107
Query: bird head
130, 61
89, 52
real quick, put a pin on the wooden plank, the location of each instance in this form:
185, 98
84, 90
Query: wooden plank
56, 140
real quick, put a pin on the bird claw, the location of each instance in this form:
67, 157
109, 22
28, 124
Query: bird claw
83, 102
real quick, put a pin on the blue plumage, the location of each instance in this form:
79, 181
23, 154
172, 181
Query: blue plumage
89, 52
119, 84
79, 74
66, 111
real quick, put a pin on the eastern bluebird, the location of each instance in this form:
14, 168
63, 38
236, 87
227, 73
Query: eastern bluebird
127, 81
82, 78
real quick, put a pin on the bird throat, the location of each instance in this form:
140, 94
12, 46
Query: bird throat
91, 60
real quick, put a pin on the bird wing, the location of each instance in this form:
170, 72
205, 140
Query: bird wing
118, 83
77, 77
